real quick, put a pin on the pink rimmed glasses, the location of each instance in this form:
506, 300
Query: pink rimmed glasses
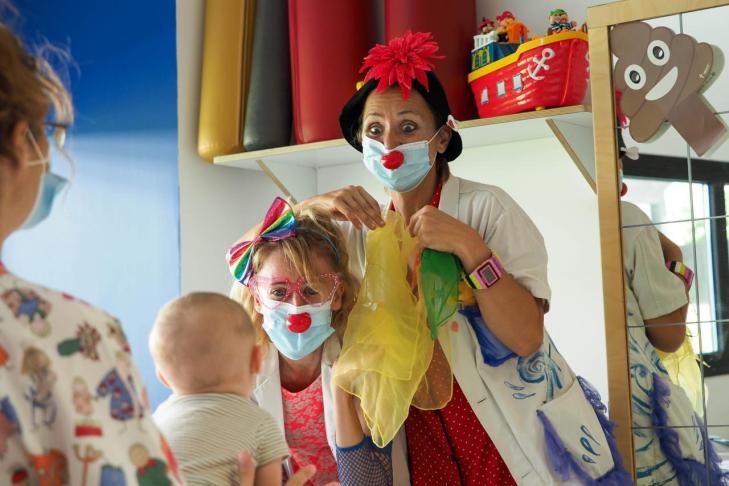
273, 291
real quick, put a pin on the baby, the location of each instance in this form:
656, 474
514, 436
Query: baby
204, 349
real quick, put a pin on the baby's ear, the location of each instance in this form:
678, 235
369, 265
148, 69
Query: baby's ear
162, 378
256, 359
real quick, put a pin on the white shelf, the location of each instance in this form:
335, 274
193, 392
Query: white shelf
475, 133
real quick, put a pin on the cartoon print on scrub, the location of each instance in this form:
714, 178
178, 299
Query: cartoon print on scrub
119, 385
89, 456
112, 476
51, 468
86, 426
19, 476
37, 366
150, 471
29, 307
116, 333
8, 424
169, 457
660, 75
4, 354
86, 341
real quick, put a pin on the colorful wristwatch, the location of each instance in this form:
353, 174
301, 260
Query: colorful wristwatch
686, 274
486, 274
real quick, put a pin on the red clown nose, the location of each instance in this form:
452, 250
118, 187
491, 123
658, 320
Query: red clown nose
299, 323
393, 160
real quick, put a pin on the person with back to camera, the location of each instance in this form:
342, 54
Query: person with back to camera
656, 298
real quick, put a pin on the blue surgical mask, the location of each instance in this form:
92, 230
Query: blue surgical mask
50, 186
408, 163
297, 331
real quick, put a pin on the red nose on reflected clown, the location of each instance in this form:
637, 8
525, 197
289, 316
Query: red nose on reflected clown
298, 323
393, 160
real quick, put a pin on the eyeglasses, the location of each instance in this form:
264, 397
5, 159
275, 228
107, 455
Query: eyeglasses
273, 291
56, 131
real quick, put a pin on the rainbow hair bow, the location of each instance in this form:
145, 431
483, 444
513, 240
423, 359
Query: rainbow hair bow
278, 224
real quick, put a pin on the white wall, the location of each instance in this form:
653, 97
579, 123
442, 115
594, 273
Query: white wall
541, 177
717, 406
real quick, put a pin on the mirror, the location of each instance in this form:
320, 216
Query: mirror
672, 105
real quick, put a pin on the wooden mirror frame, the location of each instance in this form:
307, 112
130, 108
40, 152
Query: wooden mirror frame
599, 20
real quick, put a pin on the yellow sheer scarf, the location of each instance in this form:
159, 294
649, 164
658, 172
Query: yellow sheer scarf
389, 360
683, 368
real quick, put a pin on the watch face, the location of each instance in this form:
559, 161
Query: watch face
488, 274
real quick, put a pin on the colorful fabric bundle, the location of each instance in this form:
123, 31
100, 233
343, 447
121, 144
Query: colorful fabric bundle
278, 224
389, 359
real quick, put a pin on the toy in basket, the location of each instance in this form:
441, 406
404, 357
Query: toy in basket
545, 72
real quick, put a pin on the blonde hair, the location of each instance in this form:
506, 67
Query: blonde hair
200, 340
29, 86
315, 230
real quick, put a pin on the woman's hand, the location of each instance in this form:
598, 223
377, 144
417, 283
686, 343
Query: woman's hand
437, 230
247, 471
351, 203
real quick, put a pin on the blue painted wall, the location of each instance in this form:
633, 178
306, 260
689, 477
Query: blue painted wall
114, 238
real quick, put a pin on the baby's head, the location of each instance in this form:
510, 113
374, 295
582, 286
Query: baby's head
205, 343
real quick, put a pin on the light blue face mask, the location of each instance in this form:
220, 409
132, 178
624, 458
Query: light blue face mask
297, 331
50, 186
401, 169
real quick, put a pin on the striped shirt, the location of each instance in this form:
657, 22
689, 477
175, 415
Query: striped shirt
207, 431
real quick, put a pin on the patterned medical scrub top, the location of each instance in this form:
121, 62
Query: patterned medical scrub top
73, 408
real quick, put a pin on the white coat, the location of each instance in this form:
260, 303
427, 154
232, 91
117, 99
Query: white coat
505, 398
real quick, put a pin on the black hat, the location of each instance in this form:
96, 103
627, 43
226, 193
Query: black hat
350, 119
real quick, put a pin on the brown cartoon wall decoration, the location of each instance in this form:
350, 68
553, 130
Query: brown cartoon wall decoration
661, 75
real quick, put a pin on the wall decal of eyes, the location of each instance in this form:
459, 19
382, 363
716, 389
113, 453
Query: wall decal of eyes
660, 75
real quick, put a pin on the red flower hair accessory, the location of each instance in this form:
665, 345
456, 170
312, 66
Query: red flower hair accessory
403, 59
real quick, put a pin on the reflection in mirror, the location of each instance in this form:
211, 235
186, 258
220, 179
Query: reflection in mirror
709, 26
719, 437
675, 162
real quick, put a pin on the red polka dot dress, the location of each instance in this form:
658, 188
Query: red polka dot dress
450, 447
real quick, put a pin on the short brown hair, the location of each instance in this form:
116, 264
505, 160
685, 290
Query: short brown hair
29, 87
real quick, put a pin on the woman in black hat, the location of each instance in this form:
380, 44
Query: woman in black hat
504, 365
